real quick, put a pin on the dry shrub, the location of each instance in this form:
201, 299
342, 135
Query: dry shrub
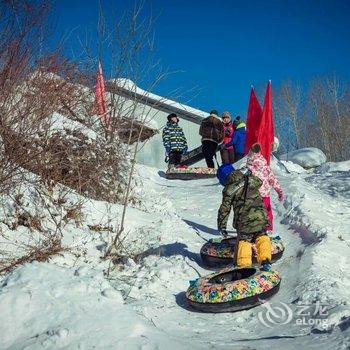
41, 252
31, 222
93, 168
100, 228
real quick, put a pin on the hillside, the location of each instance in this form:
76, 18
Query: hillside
69, 302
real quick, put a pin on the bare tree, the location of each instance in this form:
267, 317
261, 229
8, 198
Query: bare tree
129, 45
318, 118
287, 110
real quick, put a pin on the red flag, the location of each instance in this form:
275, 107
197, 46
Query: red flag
100, 95
253, 120
266, 129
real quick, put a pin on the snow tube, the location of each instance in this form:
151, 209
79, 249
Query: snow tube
232, 289
219, 252
188, 173
192, 157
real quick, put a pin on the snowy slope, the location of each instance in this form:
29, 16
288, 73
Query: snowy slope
69, 304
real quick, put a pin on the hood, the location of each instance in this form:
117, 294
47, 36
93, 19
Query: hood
240, 125
256, 161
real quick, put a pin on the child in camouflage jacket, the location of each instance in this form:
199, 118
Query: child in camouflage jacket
241, 192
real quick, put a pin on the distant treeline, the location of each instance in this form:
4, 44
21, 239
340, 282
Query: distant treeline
314, 116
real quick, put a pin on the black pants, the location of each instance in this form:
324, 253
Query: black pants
209, 150
175, 157
227, 156
238, 156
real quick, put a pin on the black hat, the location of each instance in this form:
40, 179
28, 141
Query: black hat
237, 121
214, 111
172, 115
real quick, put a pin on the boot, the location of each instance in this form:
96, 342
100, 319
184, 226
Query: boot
244, 254
263, 248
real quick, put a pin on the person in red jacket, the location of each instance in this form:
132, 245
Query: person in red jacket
227, 153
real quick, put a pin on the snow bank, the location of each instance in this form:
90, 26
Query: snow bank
292, 167
46, 306
306, 157
331, 167
321, 221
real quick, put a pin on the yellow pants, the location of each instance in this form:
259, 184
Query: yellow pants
244, 253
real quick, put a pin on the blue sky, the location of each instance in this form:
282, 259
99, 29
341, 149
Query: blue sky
222, 47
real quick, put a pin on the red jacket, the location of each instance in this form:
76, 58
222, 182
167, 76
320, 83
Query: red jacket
228, 134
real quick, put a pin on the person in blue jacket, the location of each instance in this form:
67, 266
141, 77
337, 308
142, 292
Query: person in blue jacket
239, 138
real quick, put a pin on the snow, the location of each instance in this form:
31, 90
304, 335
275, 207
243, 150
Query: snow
59, 122
131, 86
306, 157
292, 167
276, 144
69, 303
73, 308
332, 167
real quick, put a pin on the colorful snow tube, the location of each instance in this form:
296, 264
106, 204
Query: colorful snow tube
232, 289
219, 252
188, 173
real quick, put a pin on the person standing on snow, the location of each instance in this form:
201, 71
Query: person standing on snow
238, 139
174, 140
227, 153
257, 164
241, 192
212, 132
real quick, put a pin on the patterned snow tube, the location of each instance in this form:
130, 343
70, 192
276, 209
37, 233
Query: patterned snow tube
190, 173
218, 253
232, 289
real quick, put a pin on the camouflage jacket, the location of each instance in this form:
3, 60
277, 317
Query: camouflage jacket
242, 194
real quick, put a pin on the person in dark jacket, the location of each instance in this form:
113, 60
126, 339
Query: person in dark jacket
238, 139
227, 153
174, 140
212, 132
241, 192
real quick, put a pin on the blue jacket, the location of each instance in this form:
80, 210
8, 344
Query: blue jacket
239, 138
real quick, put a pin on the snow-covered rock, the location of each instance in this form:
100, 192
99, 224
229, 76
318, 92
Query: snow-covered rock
309, 157
330, 167
292, 167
